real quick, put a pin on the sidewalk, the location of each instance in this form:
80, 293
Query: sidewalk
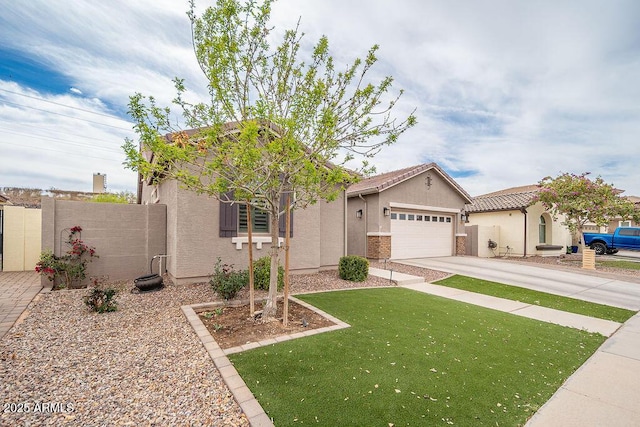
17, 289
604, 391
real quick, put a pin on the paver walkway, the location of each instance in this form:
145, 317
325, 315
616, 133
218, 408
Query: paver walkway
17, 290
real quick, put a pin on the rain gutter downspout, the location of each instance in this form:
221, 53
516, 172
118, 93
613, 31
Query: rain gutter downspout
366, 219
524, 212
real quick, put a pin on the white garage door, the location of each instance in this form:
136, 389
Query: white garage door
421, 234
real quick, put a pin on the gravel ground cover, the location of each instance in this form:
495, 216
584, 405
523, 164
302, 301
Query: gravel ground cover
139, 366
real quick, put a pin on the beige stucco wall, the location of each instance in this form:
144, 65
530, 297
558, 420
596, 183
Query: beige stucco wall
21, 237
332, 231
125, 237
194, 242
511, 224
356, 229
477, 241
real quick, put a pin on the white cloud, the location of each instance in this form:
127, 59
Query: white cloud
514, 91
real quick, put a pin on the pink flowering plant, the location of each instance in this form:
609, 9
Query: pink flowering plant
68, 270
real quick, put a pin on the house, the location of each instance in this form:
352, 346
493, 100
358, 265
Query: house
201, 229
505, 223
409, 213
619, 222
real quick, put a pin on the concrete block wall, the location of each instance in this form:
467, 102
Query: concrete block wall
125, 237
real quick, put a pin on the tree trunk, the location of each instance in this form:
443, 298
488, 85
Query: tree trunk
250, 242
287, 229
270, 308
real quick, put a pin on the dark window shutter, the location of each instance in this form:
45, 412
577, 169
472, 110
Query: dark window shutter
228, 218
281, 221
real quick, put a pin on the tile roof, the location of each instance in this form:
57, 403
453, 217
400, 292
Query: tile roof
514, 198
381, 182
634, 199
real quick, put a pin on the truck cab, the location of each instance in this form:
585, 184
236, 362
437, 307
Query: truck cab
621, 238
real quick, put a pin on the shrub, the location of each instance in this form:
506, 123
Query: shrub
353, 268
262, 273
101, 300
226, 281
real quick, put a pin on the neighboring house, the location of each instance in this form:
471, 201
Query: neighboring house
619, 222
514, 227
409, 213
201, 229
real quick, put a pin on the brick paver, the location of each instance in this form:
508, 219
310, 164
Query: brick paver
17, 290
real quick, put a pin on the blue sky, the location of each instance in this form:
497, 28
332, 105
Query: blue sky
506, 92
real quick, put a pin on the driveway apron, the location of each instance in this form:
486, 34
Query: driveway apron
17, 290
594, 288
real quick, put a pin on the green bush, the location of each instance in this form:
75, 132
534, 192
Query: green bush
353, 268
101, 300
262, 272
226, 281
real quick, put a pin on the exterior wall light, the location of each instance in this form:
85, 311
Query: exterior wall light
386, 211
359, 213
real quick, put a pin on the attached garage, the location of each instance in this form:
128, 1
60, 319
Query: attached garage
419, 234
414, 212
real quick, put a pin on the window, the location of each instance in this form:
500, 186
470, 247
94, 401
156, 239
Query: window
434, 218
418, 217
624, 224
427, 218
403, 217
411, 217
628, 232
542, 230
441, 219
394, 215
448, 219
259, 220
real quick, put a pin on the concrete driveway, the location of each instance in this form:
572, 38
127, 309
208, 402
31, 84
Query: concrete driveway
589, 287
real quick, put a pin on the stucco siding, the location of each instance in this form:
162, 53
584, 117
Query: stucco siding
417, 190
126, 237
513, 234
356, 229
331, 236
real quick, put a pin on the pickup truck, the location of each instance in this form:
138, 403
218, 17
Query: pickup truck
622, 238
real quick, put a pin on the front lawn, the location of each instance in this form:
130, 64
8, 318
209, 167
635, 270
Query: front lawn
627, 265
413, 359
543, 299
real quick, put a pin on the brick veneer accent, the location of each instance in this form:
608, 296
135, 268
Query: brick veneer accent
460, 245
378, 247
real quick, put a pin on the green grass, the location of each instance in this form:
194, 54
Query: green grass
628, 265
543, 299
413, 359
